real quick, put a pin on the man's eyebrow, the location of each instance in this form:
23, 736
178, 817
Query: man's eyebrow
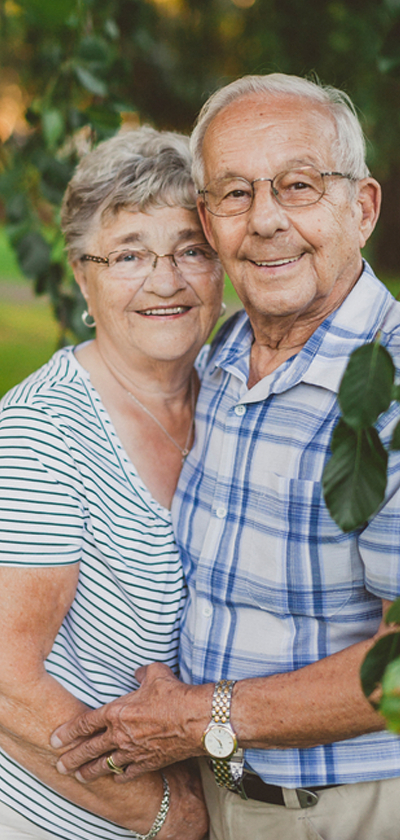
290, 164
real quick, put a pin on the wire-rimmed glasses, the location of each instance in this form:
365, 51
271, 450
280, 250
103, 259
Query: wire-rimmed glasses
301, 186
138, 263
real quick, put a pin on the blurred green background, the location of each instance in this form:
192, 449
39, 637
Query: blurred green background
73, 72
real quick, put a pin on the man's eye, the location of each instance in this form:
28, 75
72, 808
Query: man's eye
236, 193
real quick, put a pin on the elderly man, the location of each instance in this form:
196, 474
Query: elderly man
282, 605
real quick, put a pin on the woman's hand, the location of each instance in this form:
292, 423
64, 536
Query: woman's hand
187, 816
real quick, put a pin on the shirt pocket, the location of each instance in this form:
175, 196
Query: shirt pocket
296, 559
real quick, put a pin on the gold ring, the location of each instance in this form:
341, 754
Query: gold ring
114, 767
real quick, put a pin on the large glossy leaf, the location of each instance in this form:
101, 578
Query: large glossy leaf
385, 651
354, 479
389, 705
393, 614
395, 442
366, 388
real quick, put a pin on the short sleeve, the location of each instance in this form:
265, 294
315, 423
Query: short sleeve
41, 511
379, 543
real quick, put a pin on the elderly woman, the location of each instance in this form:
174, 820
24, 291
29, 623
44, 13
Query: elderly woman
91, 446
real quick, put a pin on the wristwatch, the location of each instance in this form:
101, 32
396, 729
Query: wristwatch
220, 740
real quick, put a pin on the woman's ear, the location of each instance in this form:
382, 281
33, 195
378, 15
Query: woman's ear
80, 277
369, 201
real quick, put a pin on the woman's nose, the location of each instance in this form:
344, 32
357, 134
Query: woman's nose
164, 277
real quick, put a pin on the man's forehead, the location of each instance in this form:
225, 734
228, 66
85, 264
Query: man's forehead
288, 124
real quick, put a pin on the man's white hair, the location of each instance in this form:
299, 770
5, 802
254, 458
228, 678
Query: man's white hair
350, 143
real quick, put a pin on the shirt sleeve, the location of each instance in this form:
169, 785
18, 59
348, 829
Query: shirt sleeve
41, 511
379, 543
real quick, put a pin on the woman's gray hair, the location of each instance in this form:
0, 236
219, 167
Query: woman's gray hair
135, 169
350, 144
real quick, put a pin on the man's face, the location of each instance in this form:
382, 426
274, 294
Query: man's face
284, 261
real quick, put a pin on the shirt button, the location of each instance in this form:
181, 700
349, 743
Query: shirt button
221, 512
240, 410
207, 611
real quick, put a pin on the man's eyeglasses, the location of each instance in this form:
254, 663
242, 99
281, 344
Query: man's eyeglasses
298, 187
137, 263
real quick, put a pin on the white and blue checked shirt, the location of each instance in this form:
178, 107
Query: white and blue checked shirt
274, 584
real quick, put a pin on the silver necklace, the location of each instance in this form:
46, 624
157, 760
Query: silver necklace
185, 451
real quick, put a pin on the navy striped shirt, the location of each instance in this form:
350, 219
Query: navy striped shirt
68, 494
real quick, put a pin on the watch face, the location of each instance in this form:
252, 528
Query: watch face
219, 742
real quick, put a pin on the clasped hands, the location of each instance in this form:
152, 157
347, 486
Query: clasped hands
157, 725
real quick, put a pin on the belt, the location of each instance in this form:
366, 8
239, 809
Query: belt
252, 787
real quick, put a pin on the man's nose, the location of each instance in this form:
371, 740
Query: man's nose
164, 277
266, 215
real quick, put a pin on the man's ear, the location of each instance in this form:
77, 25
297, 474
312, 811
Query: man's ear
369, 201
206, 222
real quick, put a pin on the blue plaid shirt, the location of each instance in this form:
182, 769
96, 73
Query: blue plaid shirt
274, 584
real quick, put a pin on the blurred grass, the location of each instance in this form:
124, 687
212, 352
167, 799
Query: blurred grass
28, 330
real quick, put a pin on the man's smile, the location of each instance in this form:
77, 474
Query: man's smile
274, 263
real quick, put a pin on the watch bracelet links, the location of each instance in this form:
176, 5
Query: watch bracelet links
221, 713
161, 816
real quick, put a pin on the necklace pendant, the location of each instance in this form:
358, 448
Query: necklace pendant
185, 453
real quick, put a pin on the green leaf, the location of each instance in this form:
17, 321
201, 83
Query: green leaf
393, 614
389, 705
33, 254
53, 126
376, 661
94, 49
396, 393
354, 479
90, 82
395, 442
366, 388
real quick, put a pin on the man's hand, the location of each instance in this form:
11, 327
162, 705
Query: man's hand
157, 725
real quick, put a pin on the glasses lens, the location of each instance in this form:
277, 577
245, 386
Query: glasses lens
299, 187
194, 259
130, 263
228, 196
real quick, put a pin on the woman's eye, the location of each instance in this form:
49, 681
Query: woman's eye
129, 256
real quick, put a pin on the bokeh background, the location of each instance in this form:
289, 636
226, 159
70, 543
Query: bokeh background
73, 71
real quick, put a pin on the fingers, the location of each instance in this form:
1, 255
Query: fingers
80, 727
97, 747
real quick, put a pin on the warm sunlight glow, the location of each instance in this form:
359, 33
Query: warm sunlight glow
170, 7
12, 110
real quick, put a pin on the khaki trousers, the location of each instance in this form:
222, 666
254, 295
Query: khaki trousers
15, 827
364, 811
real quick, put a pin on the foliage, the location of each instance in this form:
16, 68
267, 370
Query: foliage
354, 480
82, 67
354, 485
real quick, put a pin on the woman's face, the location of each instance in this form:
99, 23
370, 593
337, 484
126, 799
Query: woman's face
165, 312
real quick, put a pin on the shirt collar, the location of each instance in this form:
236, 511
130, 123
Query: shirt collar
323, 359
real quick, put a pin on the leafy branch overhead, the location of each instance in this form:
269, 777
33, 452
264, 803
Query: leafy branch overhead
354, 479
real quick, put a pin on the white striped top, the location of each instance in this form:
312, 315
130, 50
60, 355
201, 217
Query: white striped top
69, 493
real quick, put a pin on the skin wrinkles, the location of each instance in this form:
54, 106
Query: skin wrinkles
259, 137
